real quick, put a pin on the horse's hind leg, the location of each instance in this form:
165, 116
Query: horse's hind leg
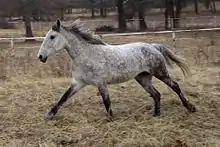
145, 80
175, 87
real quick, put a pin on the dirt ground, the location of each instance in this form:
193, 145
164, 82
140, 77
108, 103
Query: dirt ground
28, 89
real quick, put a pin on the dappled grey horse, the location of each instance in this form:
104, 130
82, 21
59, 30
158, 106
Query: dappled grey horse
99, 64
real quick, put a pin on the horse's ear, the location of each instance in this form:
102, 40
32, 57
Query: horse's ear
58, 23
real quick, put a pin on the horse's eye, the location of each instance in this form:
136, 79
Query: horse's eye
52, 37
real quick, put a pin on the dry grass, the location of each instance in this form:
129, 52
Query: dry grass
29, 88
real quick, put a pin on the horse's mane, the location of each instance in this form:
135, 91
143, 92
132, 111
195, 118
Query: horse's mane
83, 33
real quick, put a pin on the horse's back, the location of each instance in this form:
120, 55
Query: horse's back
139, 49
134, 58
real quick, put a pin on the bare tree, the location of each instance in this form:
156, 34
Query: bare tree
102, 8
141, 14
173, 12
121, 19
92, 7
139, 7
169, 13
166, 15
176, 23
25, 8
210, 4
196, 6
5, 11
214, 6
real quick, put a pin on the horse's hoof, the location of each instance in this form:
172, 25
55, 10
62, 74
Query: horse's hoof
49, 116
111, 118
110, 113
191, 108
156, 114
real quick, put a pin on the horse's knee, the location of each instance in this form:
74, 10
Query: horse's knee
175, 86
172, 84
154, 93
157, 94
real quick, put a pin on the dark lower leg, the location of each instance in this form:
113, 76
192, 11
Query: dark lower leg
71, 91
62, 100
185, 102
175, 87
156, 96
103, 90
144, 80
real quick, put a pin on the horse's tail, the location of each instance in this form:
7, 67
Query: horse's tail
170, 56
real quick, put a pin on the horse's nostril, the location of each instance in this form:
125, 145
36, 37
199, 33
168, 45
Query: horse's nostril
40, 57
43, 59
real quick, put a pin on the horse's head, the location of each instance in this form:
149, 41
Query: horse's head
53, 42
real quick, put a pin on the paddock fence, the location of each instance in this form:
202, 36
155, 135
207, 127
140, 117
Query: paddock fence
173, 34
198, 46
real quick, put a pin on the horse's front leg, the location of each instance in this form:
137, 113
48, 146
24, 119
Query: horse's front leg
103, 90
73, 89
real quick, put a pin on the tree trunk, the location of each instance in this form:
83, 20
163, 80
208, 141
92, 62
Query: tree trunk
69, 11
213, 6
105, 12
101, 8
92, 8
177, 16
171, 11
121, 20
4, 24
93, 12
169, 14
166, 15
207, 4
105, 8
142, 23
196, 6
101, 12
28, 29
62, 13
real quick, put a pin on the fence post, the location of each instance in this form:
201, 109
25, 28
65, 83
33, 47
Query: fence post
215, 22
100, 36
173, 33
154, 25
174, 36
193, 22
12, 43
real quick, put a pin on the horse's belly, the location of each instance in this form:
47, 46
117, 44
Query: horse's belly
122, 77
116, 80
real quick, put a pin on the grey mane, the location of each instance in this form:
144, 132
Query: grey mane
84, 34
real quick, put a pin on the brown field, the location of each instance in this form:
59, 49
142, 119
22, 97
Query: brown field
28, 89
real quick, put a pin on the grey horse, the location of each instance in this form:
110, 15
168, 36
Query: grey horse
97, 63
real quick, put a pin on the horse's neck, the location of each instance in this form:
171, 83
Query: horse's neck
79, 50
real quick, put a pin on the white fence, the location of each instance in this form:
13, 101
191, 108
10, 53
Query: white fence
173, 32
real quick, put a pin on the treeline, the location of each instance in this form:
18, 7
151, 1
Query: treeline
45, 10
172, 13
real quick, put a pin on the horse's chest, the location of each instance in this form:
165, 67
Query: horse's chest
92, 72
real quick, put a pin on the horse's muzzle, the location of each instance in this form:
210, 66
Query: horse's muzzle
42, 59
